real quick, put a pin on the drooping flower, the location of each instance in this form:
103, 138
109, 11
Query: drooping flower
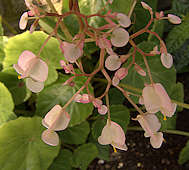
174, 19
123, 20
84, 98
113, 62
119, 37
151, 125
33, 69
156, 99
55, 120
113, 134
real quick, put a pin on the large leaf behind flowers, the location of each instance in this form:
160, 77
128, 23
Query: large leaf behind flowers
21, 146
60, 94
6, 105
51, 53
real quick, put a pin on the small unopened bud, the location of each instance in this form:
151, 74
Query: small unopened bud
174, 19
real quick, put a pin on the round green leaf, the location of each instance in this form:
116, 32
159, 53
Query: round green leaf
60, 94
63, 161
6, 105
76, 134
83, 155
21, 146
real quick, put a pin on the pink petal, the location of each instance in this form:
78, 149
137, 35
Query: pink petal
26, 59
166, 104
118, 135
39, 71
106, 135
71, 52
102, 110
50, 137
57, 118
156, 140
123, 20
153, 123
167, 60
78, 98
120, 37
152, 100
112, 62
34, 86
174, 19
18, 69
23, 21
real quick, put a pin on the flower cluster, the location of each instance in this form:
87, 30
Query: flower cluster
113, 34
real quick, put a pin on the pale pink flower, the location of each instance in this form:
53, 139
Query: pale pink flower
155, 51
113, 134
55, 120
151, 125
113, 62
119, 37
156, 99
140, 70
71, 51
166, 60
34, 69
23, 21
123, 20
174, 19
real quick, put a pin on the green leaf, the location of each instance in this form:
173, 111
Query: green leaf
83, 155
184, 154
178, 43
60, 94
6, 105
119, 114
63, 161
180, 7
115, 96
76, 134
16, 86
177, 94
160, 74
51, 53
21, 144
